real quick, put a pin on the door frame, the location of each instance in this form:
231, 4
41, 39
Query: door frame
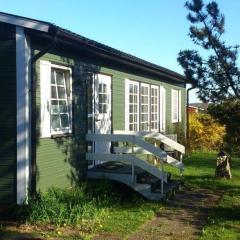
94, 108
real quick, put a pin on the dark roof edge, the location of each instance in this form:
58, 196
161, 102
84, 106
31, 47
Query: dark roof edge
92, 44
114, 52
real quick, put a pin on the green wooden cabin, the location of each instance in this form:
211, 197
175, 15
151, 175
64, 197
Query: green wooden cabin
58, 90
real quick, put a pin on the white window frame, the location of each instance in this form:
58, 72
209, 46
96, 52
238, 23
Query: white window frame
144, 85
176, 105
45, 94
157, 113
127, 84
162, 106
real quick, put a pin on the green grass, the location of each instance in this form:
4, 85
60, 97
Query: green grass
224, 219
94, 207
103, 207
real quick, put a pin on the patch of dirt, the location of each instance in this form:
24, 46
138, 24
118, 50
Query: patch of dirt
183, 219
17, 231
106, 236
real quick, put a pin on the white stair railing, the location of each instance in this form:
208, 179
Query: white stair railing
126, 153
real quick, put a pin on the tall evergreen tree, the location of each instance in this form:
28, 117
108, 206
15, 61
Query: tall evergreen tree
217, 76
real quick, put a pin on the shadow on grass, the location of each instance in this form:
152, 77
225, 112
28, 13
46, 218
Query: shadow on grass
15, 235
227, 213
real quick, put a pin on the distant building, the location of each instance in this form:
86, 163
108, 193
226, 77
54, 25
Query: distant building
197, 107
192, 109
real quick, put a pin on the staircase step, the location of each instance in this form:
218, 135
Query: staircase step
148, 178
169, 187
142, 182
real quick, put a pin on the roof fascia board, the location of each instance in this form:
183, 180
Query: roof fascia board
159, 69
24, 23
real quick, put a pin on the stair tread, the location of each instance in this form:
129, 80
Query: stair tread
171, 185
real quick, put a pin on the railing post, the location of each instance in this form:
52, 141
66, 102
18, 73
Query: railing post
181, 157
162, 186
155, 158
133, 165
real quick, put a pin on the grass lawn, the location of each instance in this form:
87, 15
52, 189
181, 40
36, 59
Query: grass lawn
108, 208
224, 219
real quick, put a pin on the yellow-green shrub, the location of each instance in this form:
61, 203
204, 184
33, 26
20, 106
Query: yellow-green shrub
205, 133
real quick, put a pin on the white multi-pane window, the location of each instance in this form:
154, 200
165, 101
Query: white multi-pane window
144, 107
144, 113
60, 96
132, 105
154, 108
176, 106
55, 90
103, 98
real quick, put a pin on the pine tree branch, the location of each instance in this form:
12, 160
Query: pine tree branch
209, 36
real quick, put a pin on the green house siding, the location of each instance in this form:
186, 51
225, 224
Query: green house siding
8, 114
61, 161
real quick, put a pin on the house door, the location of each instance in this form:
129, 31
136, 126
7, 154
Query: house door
103, 124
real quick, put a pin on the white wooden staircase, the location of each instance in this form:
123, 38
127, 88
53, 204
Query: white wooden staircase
126, 165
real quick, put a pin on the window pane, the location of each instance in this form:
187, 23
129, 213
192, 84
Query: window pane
54, 106
104, 98
100, 98
55, 122
64, 120
104, 108
135, 89
100, 108
61, 93
53, 92
63, 107
104, 88
135, 98
100, 88
60, 77
53, 77
130, 88
131, 108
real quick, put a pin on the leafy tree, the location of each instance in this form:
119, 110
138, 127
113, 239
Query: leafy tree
228, 113
217, 76
205, 133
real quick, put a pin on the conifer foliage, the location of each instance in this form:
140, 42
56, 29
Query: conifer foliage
217, 75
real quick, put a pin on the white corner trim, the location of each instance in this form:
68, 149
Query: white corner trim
27, 23
179, 105
174, 105
23, 54
126, 97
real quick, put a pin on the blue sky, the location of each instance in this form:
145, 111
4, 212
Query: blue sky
155, 30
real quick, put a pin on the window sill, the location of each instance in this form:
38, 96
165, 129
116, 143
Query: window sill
60, 135
176, 122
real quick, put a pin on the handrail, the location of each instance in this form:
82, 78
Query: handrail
138, 141
136, 138
128, 138
158, 136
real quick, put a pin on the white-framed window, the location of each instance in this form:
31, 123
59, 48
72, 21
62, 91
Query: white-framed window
162, 109
132, 105
56, 98
103, 98
176, 105
154, 108
145, 111
144, 107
